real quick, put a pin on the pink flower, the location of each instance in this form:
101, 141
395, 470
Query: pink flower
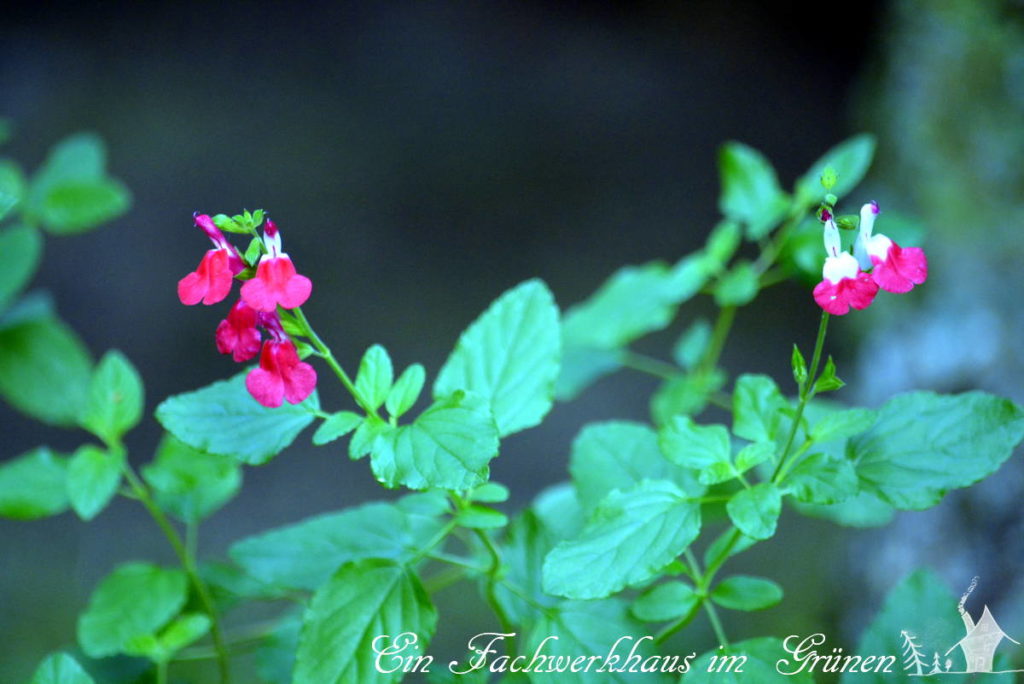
843, 285
211, 281
894, 268
280, 375
237, 334
276, 281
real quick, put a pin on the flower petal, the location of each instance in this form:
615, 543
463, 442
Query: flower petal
901, 269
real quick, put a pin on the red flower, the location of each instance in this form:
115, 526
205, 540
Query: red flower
843, 285
893, 268
280, 376
276, 281
210, 282
237, 334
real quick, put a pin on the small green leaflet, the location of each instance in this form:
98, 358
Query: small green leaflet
92, 479
134, 600
750, 189
510, 357
406, 390
335, 426
757, 408
667, 601
822, 478
631, 536
22, 247
114, 403
60, 668
363, 600
850, 159
704, 448
373, 382
741, 592
191, 484
33, 485
223, 418
12, 187
756, 511
739, 286
692, 344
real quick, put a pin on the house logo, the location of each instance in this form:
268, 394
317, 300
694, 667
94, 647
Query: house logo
977, 647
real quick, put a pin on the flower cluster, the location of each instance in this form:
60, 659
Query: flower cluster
280, 376
853, 280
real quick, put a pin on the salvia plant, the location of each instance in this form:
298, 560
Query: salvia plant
627, 553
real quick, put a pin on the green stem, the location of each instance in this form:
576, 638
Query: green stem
806, 394
443, 579
188, 563
648, 365
723, 324
492, 597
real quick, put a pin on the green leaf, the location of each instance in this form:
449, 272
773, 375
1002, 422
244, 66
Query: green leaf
223, 418
722, 243
252, 256
585, 628
741, 592
275, 659
21, 247
60, 668
752, 660
373, 382
44, 370
716, 551
757, 404
755, 511
685, 394
509, 356
860, 510
76, 206
754, 454
750, 189
304, 555
621, 455
448, 446
183, 630
33, 485
922, 605
739, 286
631, 536
527, 541
828, 380
335, 426
559, 509
799, 366
634, 301
12, 187
191, 484
362, 601
667, 601
850, 159
925, 444
92, 479
134, 600
704, 448
406, 390
490, 492
843, 424
481, 518
114, 404
822, 479
692, 344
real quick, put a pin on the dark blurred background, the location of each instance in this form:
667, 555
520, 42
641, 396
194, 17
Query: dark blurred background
421, 158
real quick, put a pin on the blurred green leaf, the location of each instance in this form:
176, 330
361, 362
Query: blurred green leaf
115, 399
692, 344
737, 287
60, 668
481, 518
750, 189
741, 592
752, 660
667, 601
685, 394
21, 246
191, 484
849, 159
822, 479
92, 479
755, 511
12, 186
74, 207
757, 404
33, 485
706, 449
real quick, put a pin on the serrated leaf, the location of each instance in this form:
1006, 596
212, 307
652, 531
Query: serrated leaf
134, 600
114, 403
305, 554
754, 454
742, 592
666, 601
755, 511
850, 159
60, 668
365, 435
406, 390
335, 426
362, 601
21, 247
925, 444
843, 424
92, 479
750, 189
448, 446
510, 357
223, 418
191, 484
33, 485
621, 455
631, 536
757, 404
373, 381
703, 448
44, 370
822, 479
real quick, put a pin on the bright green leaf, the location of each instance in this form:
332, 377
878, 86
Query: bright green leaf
828, 380
509, 356
722, 243
60, 668
223, 418
21, 247
92, 480
191, 484
843, 424
184, 630
406, 390
754, 454
631, 536
33, 485
114, 403
728, 543
750, 189
703, 448
490, 492
134, 600
692, 344
850, 159
741, 592
667, 601
737, 287
362, 601
76, 206
44, 370
335, 426
481, 518
373, 381
365, 435
799, 366
756, 511
822, 479
757, 404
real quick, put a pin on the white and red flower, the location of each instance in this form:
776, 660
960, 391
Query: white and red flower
276, 280
211, 281
893, 268
844, 285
